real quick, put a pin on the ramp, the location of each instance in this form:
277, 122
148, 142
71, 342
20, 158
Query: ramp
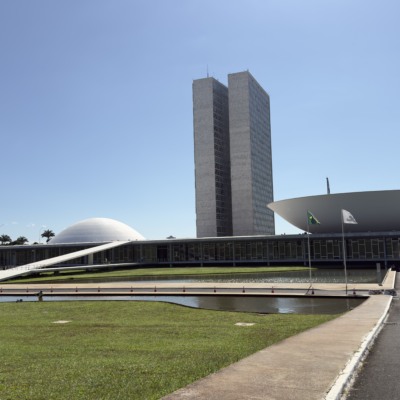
23, 269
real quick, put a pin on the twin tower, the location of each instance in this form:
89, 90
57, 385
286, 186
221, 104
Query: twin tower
233, 158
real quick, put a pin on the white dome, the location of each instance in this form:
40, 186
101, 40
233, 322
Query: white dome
96, 230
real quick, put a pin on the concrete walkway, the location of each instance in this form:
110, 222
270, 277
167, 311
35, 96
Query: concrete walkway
316, 364
197, 288
379, 375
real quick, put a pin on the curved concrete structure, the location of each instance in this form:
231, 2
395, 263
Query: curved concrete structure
377, 211
96, 230
28, 268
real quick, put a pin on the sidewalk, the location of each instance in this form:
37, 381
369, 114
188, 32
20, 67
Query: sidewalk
324, 289
315, 364
199, 288
379, 377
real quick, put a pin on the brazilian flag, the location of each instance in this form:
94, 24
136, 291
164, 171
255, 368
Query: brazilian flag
311, 220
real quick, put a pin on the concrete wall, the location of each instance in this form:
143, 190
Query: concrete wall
251, 156
211, 153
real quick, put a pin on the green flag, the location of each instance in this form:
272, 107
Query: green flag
311, 220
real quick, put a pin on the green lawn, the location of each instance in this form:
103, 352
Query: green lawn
125, 350
80, 275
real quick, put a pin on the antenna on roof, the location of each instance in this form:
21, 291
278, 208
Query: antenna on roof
328, 189
207, 72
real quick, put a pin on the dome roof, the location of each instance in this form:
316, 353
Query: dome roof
96, 230
375, 211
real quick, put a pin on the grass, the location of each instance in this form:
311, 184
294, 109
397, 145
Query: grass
125, 350
139, 272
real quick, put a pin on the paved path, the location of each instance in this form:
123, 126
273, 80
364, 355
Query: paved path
194, 288
379, 377
312, 365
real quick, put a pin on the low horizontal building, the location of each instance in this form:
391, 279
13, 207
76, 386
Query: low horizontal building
326, 249
363, 248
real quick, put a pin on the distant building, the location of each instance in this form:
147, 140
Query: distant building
212, 160
98, 243
251, 156
233, 158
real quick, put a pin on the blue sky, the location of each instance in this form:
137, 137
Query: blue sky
96, 103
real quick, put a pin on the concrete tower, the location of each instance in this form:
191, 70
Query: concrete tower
211, 154
233, 161
251, 156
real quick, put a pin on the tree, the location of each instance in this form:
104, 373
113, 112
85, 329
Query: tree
21, 240
5, 239
48, 233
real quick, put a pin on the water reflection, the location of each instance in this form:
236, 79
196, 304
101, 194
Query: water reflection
325, 275
317, 276
262, 305
279, 305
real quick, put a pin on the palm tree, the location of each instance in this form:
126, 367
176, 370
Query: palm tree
5, 239
21, 240
48, 233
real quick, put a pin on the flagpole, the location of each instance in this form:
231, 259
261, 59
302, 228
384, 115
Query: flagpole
309, 251
313, 220
344, 253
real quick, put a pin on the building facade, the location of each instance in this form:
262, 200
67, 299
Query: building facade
251, 156
233, 158
362, 249
212, 160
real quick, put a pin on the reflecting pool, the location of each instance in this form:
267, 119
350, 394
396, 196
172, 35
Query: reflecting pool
255, 304
324, 275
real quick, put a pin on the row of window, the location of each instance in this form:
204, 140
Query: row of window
260, 250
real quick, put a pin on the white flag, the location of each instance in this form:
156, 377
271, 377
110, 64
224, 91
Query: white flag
348, 218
